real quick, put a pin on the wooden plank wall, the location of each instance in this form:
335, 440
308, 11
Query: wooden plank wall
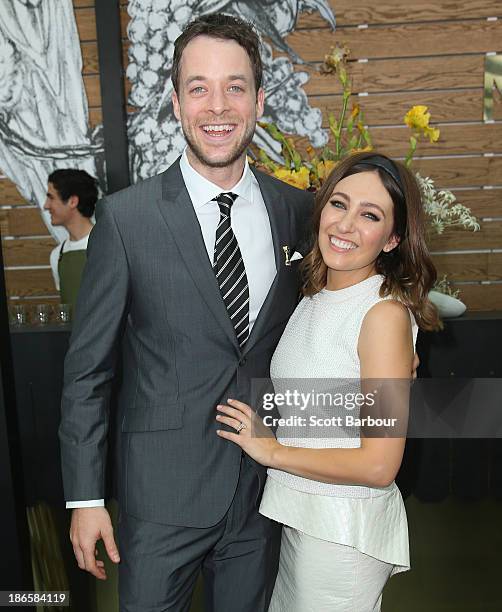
403, 54
427, 53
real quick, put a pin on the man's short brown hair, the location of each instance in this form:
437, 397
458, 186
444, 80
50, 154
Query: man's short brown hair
223, 27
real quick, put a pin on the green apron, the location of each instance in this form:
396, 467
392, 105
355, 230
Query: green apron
70, 267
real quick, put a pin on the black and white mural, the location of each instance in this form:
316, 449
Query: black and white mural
154, 134
43, 105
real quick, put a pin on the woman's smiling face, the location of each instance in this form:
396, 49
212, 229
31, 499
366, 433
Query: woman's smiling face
356, 225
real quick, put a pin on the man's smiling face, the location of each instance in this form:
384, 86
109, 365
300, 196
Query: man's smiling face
217, 103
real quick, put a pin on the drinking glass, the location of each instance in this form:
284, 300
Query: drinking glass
18, 314
63, 313
42, 314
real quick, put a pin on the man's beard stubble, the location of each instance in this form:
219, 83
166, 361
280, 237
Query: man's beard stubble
223, 163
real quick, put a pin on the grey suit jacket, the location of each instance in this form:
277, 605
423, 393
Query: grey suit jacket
149, 296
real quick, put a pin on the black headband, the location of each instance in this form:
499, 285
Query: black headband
386, 165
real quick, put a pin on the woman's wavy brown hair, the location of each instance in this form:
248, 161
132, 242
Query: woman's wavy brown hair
408, 269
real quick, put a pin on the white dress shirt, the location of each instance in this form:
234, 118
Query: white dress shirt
250, 223
251, 226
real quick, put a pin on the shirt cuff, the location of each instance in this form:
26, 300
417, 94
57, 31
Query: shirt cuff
91, 503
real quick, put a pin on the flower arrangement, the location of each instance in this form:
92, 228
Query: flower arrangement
442, 208
350, 135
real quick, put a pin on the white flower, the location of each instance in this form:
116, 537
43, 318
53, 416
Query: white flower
136, 30
294, 104
139, 97
442, 209
156, 42
173, 31
162, 146
160, 5
132, 71
142, 138
156, 21
149, 78
182, 14
139, 53
150, 125
155, 62
168, 127
443, 286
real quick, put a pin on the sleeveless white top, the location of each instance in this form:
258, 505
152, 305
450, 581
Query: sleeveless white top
320, 342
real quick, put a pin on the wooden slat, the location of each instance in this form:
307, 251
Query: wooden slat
26, 283
470, 266
90, 60
21, 221
462, 171
86, 24
455, 139
124, 21
31, 303
489, 237
404, 74
348, 12
91, 84
481, 297
482, 202
381, 109
9, 195
473, 36
27, 252
95, 116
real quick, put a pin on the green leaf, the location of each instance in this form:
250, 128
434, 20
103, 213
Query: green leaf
266, 161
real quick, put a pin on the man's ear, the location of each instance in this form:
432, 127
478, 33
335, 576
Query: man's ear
392, 243
73, 201
260, 102
176, 105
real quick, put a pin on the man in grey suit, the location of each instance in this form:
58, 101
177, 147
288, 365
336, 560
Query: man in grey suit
189, 279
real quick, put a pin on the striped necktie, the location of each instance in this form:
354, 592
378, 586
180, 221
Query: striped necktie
229, 269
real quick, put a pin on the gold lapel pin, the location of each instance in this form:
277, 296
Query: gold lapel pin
287, 261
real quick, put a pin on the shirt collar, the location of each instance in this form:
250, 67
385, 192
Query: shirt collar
202, 191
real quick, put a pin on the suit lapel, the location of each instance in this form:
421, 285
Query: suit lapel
278, 214
177, 211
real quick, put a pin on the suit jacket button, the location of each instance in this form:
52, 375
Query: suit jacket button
243, 361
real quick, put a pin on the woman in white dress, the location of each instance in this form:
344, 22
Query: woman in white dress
366, 282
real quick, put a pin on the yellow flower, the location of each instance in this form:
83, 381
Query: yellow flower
432, 133
417, 117
300, 179
324, 169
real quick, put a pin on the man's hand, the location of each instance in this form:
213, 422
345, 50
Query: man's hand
416, 363
88, 525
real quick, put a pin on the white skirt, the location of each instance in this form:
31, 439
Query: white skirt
375, 526
319, 576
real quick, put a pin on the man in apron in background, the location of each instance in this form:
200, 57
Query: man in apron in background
71, 199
